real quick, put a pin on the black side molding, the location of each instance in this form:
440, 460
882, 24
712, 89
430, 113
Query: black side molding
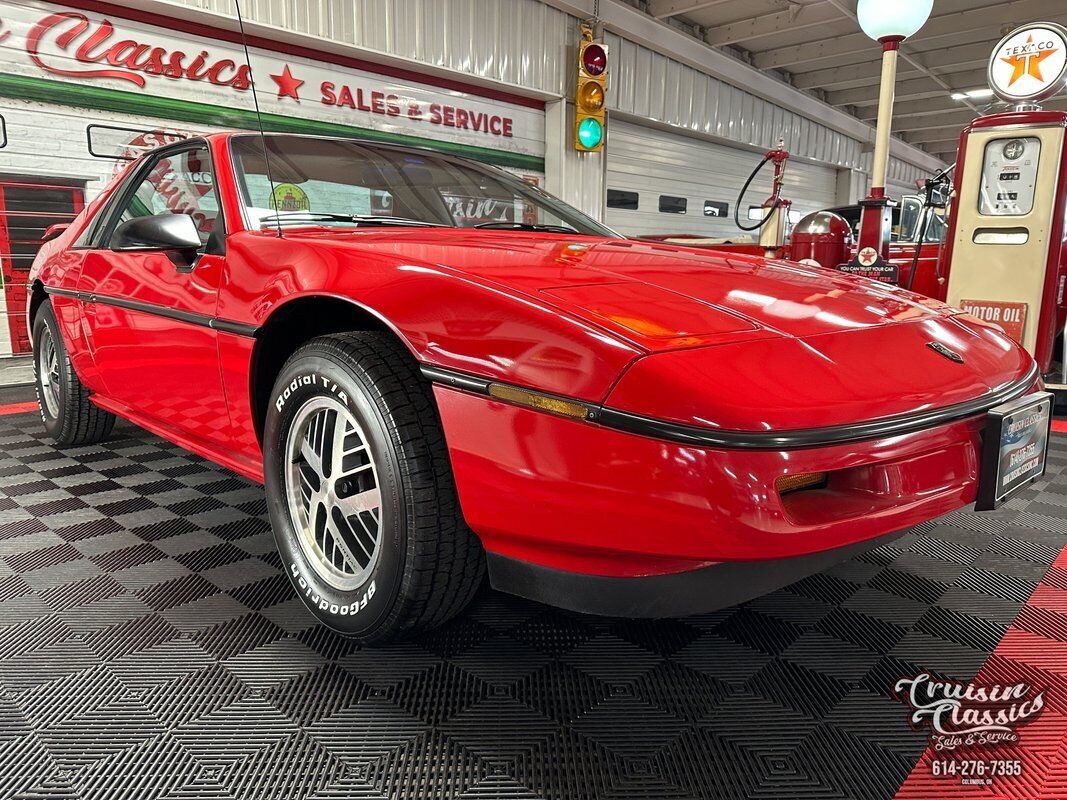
794, 439
192, 318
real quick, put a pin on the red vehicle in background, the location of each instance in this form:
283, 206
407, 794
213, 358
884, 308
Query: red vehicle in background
607, 425
915, 250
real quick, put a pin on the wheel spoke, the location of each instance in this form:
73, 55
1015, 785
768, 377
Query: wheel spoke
344, 538
369, 500
48, 373
309, 451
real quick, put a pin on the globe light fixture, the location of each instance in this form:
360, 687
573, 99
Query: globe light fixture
889, 22
892, 19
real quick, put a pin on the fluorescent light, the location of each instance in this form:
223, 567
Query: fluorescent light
972, 93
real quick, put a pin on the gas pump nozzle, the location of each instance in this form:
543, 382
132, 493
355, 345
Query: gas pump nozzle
776, 208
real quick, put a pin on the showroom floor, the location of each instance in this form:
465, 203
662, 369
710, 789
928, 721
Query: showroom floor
150, 648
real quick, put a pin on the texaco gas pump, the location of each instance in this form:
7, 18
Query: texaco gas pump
1005, 250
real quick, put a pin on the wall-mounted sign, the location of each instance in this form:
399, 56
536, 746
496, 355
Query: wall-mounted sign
1009, 316
1030, 63
713, 208
115, 54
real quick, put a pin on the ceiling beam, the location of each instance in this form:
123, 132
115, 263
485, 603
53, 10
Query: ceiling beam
662, 9
917, 88
933, 139
949, 156
920, 108
796, 17
952, 121
916, 108
955, 59
981, 19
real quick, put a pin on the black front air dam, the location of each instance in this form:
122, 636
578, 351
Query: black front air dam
678, 594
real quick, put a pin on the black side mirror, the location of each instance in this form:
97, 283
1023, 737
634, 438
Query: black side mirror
157, 232
54, 231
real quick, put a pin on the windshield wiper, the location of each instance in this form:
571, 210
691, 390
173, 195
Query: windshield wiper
526, 226
355, 219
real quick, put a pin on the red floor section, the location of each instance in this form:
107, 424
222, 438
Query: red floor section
1034, 651
17, 408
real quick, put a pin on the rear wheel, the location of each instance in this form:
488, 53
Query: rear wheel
69, 416
360, 490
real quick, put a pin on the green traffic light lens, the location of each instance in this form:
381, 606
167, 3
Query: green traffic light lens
590, 133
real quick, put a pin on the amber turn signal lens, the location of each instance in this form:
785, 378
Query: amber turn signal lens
591, 97
541, 402
805, 480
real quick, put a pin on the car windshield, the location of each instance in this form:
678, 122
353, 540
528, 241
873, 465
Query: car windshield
349, 183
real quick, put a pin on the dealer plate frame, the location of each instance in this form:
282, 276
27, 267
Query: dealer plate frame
989, 497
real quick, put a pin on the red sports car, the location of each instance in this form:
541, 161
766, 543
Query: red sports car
438, 369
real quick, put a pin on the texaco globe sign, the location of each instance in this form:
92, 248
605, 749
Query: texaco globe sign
1030, 63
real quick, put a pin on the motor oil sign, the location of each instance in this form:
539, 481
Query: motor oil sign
1011, 317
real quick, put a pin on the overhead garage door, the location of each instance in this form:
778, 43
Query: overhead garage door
652, 169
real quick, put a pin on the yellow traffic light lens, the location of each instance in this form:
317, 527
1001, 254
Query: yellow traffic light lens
590, 133
591, 97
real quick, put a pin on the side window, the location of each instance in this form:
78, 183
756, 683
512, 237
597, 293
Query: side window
178, 183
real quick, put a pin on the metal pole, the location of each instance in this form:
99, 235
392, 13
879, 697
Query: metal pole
876, 213
886, 96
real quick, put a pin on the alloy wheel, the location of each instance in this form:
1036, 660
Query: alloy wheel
333, 493
48, 372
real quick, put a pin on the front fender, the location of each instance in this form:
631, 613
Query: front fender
446, 317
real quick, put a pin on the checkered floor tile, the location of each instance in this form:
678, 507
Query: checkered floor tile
151, 648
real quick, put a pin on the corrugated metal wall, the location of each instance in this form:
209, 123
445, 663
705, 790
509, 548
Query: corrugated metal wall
521, 42
649, 85
527, 43
652, 162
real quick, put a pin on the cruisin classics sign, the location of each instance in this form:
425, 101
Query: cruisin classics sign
113, 53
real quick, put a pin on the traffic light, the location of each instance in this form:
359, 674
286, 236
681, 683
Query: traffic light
590, 97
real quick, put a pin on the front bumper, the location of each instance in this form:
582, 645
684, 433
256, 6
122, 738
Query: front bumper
676, 594
580, 497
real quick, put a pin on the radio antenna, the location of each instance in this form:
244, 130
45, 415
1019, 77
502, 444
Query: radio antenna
259, 117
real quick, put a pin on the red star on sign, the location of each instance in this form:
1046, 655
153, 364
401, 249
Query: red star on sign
287, 84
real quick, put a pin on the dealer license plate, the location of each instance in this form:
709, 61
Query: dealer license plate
1015, 448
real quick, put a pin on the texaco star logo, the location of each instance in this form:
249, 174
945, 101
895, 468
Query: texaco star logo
1030, 63
867, 256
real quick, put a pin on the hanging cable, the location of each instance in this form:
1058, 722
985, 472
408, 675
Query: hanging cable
259, 116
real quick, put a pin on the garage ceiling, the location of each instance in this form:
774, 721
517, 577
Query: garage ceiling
817, 45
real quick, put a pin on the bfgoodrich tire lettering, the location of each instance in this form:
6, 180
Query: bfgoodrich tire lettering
360, 490
68, 414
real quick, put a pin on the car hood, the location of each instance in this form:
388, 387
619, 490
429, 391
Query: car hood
657, 296
735, 342
824, 381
